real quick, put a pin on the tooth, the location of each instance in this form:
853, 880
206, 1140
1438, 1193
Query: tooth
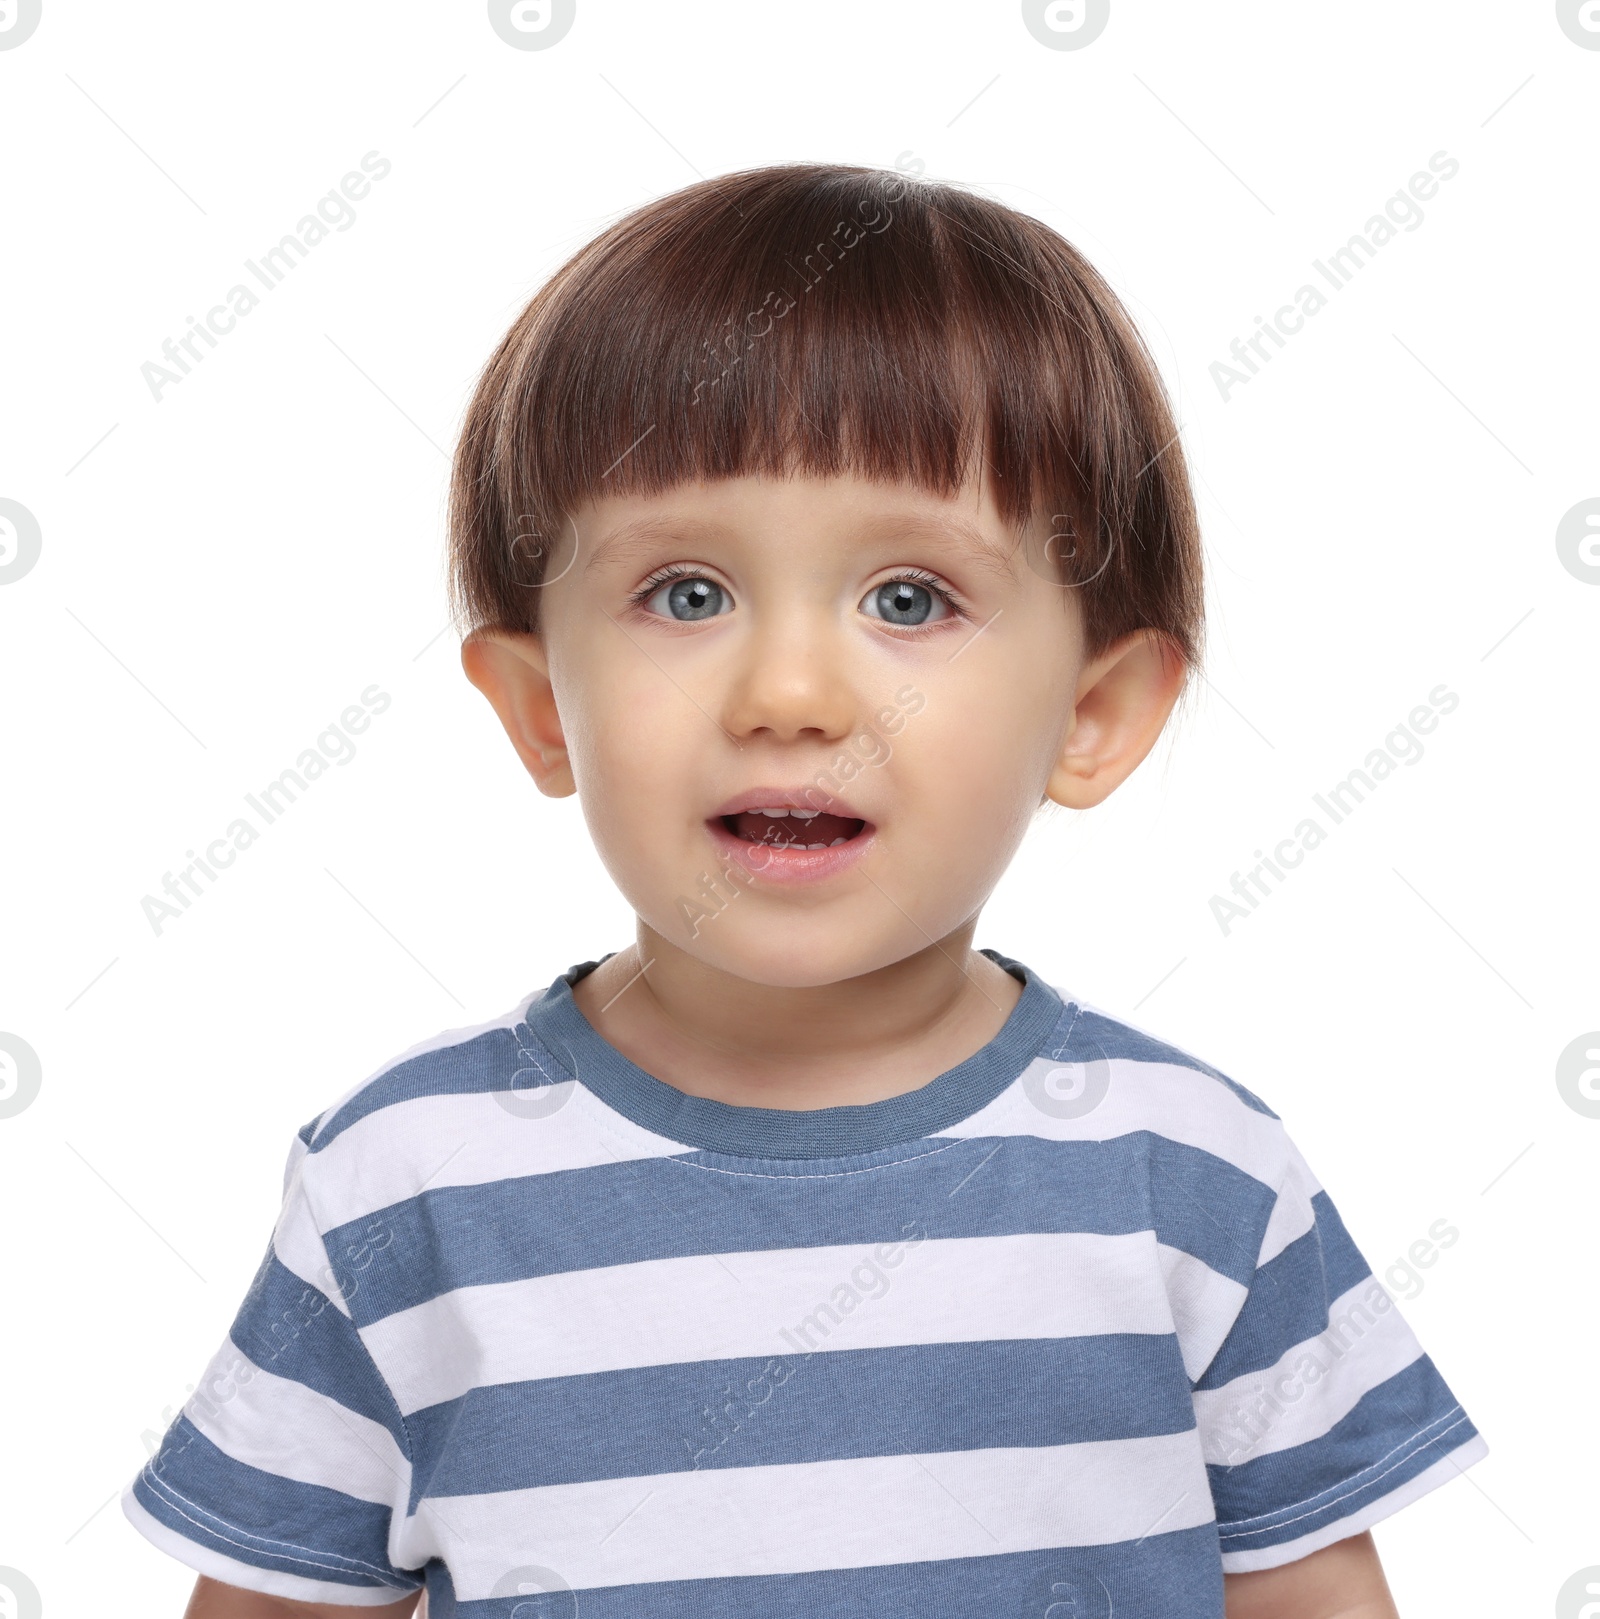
836, 842
774, 813
805, 815
816, 846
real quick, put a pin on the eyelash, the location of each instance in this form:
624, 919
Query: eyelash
932, 583
664, 576
911, 576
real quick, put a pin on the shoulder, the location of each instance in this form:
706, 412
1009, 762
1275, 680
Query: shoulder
476, 1058
387, 1137
1094, 1029
1104, 1078
1224, 1181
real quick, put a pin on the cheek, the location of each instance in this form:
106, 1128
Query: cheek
613, 743
963, 800
976, 759
638, 751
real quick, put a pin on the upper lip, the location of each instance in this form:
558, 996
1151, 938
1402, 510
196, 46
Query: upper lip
809, 797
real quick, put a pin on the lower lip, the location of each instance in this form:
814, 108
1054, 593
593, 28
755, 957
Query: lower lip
774, 863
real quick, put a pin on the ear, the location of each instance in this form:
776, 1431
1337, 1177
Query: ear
510, 668
1124, 699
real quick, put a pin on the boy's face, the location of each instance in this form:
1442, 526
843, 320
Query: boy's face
900, 667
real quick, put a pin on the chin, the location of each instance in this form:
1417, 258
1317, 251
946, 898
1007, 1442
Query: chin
800, 952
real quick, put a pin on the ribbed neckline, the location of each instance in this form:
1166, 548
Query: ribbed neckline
766, 1132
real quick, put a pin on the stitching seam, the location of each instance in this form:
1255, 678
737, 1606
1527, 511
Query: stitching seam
1237, 1529
832, 1174
326, 1560
601, 1112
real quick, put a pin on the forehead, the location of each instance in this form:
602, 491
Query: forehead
848, 510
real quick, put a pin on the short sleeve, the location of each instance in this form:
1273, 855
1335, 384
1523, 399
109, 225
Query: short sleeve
289, 1465
1320, 1413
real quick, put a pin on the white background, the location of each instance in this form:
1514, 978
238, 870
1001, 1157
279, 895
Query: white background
224, 571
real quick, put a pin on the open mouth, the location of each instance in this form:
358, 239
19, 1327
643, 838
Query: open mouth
781, 836
784, 828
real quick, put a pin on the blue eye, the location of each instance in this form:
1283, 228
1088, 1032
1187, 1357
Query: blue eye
904, 601
689, 598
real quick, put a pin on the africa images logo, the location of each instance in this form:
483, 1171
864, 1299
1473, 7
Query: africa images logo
20, 540
334, 211
19, 1596
21, 1075
18, 19
532, 25
1577, 537
1066, 25
1580, 22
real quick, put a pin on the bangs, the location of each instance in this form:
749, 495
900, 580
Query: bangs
815, 319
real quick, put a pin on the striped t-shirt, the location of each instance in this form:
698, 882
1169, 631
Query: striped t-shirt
1071, 1330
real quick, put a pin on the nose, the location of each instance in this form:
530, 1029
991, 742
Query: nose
789, 683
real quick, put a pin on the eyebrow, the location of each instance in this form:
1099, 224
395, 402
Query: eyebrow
643, 533
950, 533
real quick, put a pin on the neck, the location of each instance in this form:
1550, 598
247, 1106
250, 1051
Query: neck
711, 1033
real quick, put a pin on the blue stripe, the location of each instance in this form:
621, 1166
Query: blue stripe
825, 1132
1290, 1297
1395, 1431
490, 1061
797, 1407
296, 1331
555, 1041
664, 1208
1156, 1578
272, 1522
1117, 1040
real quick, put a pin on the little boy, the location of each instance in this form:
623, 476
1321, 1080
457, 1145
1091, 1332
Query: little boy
814, 528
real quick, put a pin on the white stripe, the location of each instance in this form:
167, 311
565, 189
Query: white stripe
280, 1426
864, 1512
1162, 1040
297, 1241
706, 1307
1179, 1103
1289, 1551
1313, 1385
1205, 1305
436, 1042
297, 1150
468, 1140
1292, 1215
214, 1565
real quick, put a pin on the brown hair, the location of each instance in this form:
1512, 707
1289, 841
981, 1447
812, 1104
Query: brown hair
822, 319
